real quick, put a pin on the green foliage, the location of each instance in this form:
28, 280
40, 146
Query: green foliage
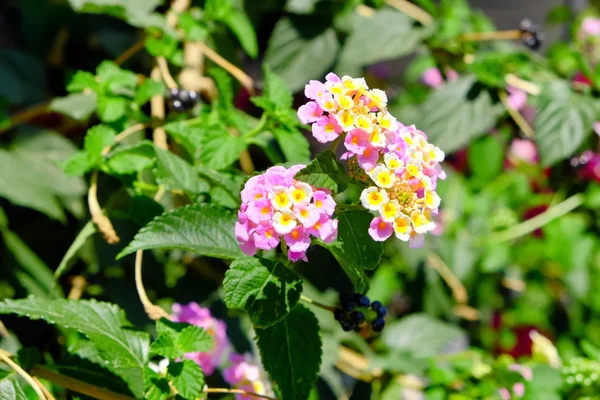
200, 228
187, 378
266, 290
175, 339
325, 171
291, 352
123, 350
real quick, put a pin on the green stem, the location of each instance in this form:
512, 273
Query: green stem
258, 128
316, 303
335, 143
538, 221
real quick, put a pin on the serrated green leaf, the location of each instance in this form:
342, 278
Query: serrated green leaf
139, 13
116, 78
77, 164
450, 119
87, 371
224, 190
224, 86
96, 139
200, 228
124, 349
193, 339
325, 171
369, 44
10, 390
294, 47
111, 108
165, 345
564, 119
293, 144
175, 339
240, 25
187, 377
156, 387
291, 352
131, 159
78, 106
163, 46
266, 290
147, 90
220, 149
277, 90
173, 172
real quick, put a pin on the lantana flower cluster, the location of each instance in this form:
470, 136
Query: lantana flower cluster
399, 165
243, 373
277, 207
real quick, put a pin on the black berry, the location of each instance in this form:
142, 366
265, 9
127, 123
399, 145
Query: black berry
533, 42
376, 305
378, 324
177, 105
174, 93
382, 311
362, 300
357, 317
339, 314
348, 326
349, 306
344, 297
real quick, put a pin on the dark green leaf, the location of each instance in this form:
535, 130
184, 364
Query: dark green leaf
563, 121
325, 171
200, 228
240, 24
277, 90
175, 339
28, 357
294, 48
450, 119
486, 157
187, 378
291, 352
10, 390
124, 349
88, 230
173, 172
156, 387
266, 290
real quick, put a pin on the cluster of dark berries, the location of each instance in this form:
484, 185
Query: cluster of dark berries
182, 99
356, 311
531, 35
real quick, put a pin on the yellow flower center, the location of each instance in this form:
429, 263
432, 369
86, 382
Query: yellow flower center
375, 198
265, 210
281, 199
286, 219
298, 195
319, 203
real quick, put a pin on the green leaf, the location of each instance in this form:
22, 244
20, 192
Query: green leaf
77, 164
293, 144
325, 171
200, 228
294, 47
163, 46
28, 357
291, 352
193, 29
96, 139
124, 350
277, 90
369, 44
116, 78
173, 172
266, 290
194, 339
176, 339
355, 249
111, 108
82, 80
486, 158
147, 90
187, 377
78, 106
139, 13
564, 119
420, 335
156, 387
240, 25
224, 102
220, 149
10, 390
131, 159
224, 189
88, 230
450, 119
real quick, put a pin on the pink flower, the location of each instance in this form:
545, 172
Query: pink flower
517, 98
380, 230
416, 241
331, 77
432, 77
309, 112
295, 256
243, 373
519, 389
265, 237
308, 215
452, 75
324, 202
259, 211
277, 176
597, 128
314, 89
297, 240
504, 393
523, 151
326, 129
357, 141
591, 26
193, 314
368, 159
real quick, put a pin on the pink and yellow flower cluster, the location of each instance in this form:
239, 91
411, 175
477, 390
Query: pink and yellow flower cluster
245, 375
275, 206
402, 165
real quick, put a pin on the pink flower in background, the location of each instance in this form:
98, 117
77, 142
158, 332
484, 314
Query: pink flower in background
243, 373
517, 98
432, 77
597, 128
193, 314
518, 389
277, 207
591, 26
590, 166
523, 151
